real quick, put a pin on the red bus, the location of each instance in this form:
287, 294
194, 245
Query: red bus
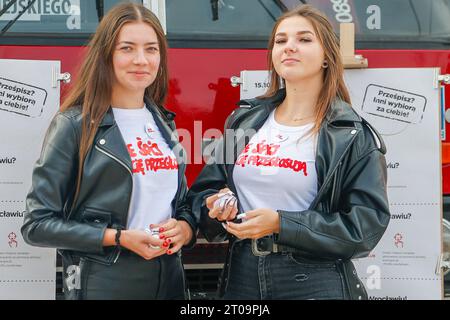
211, 41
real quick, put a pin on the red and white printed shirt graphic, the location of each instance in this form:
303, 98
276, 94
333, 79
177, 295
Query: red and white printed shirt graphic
276, 169
155, 168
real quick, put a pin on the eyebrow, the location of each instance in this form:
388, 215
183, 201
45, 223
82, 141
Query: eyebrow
298, 33
130, 42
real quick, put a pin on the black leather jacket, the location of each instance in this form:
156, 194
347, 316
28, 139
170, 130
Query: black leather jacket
105, 191
350, 212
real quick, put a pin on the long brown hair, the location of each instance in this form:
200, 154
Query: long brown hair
93, 87
333, 80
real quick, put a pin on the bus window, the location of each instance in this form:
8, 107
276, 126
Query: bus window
413, 24
390, 24
54, 16
232, 23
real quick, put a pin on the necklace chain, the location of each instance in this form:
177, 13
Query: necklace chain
300, 119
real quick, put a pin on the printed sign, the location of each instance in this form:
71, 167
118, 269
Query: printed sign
21, 98
394, 104
27, 104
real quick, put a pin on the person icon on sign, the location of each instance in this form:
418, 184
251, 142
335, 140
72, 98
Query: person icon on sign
12, 240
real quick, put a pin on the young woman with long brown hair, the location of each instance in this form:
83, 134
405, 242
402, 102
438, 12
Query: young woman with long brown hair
306, 192
109, 190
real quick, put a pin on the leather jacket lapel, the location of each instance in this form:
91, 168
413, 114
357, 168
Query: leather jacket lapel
334, 142
336, 135
110, 139
249, 125
170, 136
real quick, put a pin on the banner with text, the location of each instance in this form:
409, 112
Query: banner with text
28, 101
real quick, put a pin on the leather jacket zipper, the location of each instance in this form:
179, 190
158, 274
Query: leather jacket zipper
333, 190
179, 185
114, 158
331, 176
131, 194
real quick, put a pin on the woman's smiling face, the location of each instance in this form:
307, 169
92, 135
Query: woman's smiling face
136, 57
297, 53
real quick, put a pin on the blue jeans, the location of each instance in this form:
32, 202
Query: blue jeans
281, 276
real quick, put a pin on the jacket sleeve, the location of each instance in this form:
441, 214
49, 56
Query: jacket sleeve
185, 213
183, 210
211, 179
53, 181
356, 227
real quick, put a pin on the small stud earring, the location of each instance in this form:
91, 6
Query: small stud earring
325, 64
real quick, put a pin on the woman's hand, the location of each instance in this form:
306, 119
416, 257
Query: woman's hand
142, 243
256, 224
222, 213
174, 233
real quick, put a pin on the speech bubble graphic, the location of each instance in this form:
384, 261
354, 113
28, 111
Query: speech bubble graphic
394, 104
21, 98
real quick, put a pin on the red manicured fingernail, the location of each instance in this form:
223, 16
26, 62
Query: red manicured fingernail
169, 240
161, 236
161, 229
165, 244
169, 252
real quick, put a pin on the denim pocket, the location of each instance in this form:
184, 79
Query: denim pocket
310, 263
296, 277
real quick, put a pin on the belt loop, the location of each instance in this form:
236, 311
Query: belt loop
275, 247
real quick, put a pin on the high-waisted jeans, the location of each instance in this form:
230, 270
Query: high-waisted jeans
281, 276
133, 278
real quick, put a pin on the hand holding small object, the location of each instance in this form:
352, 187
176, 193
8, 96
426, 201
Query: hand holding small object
223, 205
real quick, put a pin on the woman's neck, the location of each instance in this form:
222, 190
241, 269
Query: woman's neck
301, 101
127, 100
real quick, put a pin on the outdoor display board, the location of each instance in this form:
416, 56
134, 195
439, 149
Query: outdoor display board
29, 98
403, 105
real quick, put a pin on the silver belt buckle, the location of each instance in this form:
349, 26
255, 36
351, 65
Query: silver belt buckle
262, 253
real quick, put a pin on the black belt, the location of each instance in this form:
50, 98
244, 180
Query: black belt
266, 245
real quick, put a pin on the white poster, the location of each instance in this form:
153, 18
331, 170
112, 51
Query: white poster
403, 105
29, 98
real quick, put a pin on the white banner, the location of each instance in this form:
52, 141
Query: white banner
403, 105
27, 104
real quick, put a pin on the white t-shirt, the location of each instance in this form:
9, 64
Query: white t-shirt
155, 168
276, 170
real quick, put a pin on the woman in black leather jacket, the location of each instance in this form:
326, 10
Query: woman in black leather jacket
109, 189
301, 189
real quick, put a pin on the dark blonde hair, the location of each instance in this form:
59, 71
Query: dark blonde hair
93, 87
333, 83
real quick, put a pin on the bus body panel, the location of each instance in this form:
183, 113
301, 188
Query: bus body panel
200, 91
